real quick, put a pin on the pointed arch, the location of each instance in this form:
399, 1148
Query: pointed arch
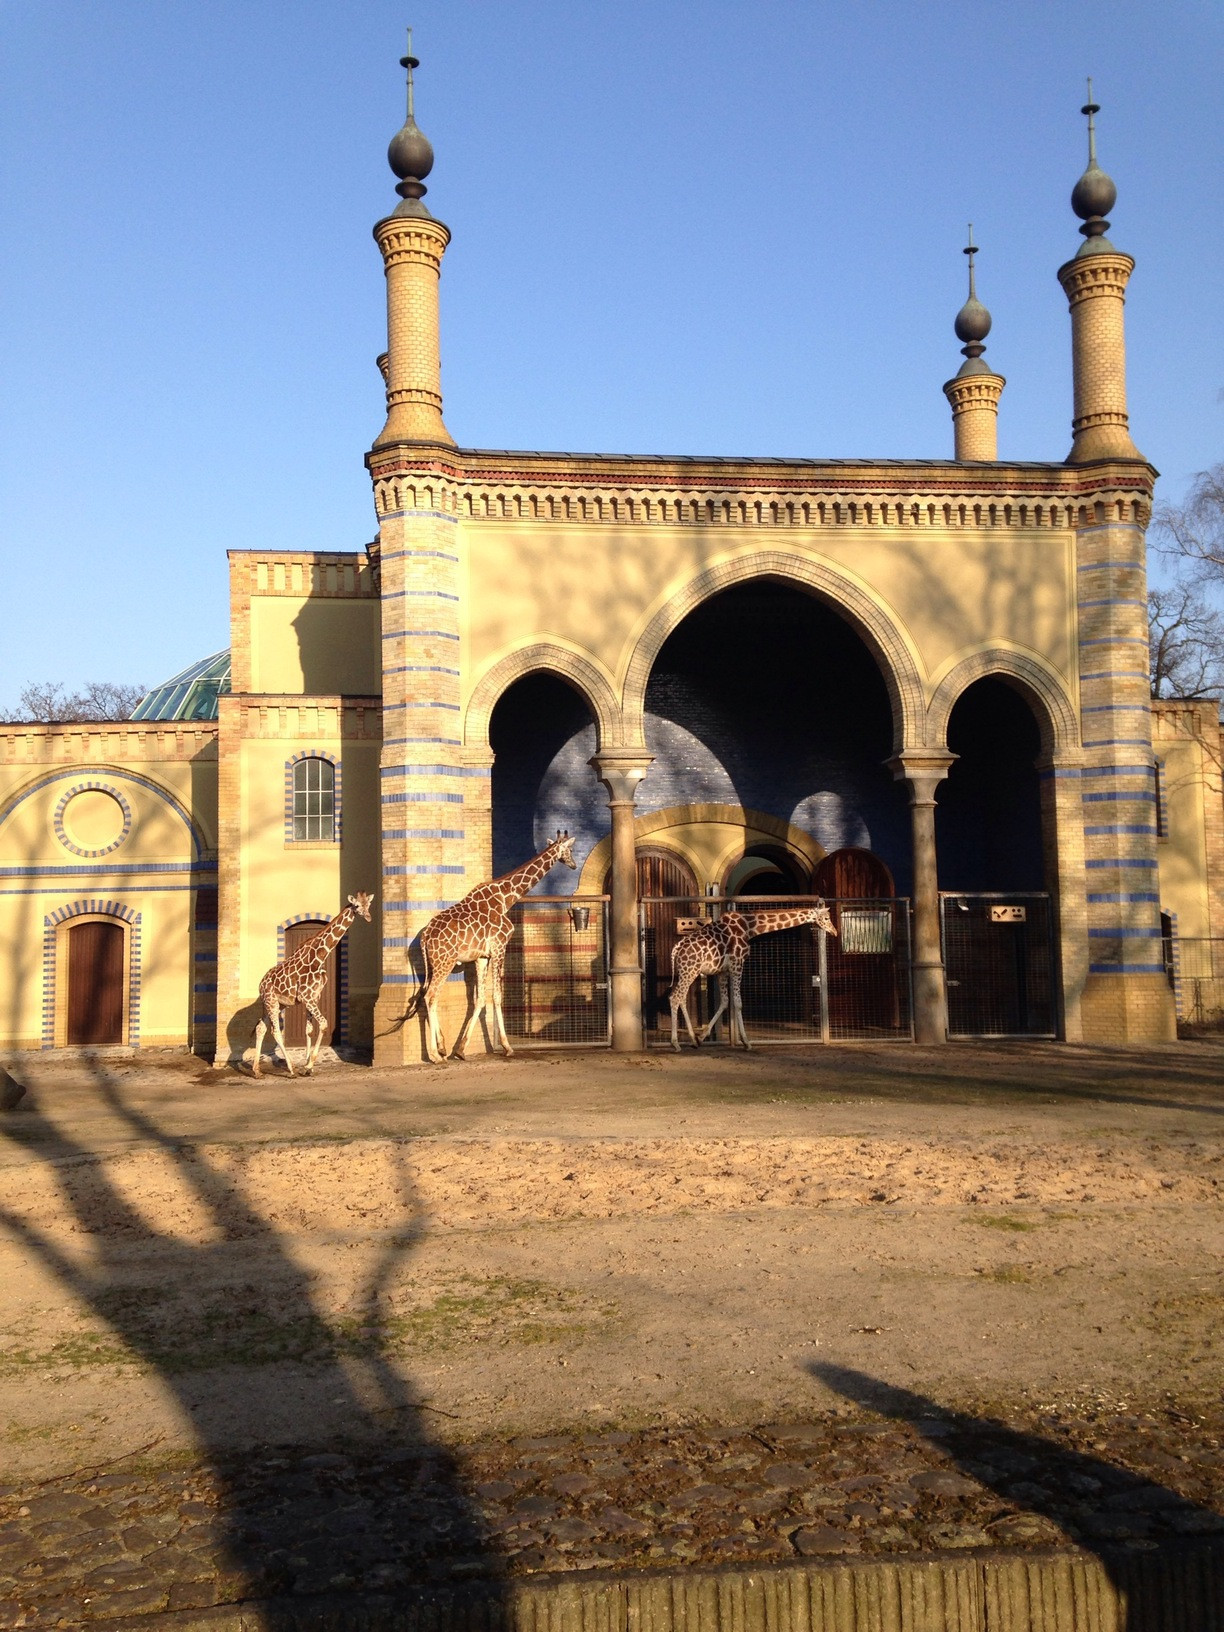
1034, 680
882, 635
586, 678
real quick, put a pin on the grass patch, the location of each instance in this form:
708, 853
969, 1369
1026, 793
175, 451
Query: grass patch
159, 1333
1005, 1221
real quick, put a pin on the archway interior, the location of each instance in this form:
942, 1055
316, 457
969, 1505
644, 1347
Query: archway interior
988, 812
763, 698
766, 698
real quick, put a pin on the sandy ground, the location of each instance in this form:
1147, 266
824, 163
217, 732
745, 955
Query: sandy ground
192, 1262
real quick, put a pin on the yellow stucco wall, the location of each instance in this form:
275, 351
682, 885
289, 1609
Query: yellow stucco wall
595, 589
134, 840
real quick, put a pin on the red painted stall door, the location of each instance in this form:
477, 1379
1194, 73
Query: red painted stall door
95, 982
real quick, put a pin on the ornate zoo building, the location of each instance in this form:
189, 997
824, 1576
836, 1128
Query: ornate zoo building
916, 687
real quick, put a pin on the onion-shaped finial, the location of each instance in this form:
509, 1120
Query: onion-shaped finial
972, 321
1094, 194
410, 154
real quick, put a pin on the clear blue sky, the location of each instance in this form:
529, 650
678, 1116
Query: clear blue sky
680, 226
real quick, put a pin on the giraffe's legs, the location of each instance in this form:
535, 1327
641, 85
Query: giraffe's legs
260, 1032
476, 1007
737, 1010
677, 1000
312, 1049
435, 1044
276, 1014
720, 1010
497, 970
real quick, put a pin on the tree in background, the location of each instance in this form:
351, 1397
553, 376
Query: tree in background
1187, 626
48, 703
1186, 642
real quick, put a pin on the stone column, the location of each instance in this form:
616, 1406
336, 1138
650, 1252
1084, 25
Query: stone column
924, 769
620, 773
1095, 286
412, 247
975, 414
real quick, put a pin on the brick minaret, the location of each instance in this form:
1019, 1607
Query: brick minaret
425, 783
1127, 996
975, 390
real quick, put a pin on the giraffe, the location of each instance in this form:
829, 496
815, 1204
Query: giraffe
300, 979
720, 947
477, 930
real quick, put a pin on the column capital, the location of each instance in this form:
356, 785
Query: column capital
923, 768
620, 770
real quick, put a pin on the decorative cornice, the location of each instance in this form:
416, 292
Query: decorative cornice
1106, 273
772, 494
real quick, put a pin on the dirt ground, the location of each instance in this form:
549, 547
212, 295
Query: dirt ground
193, 1263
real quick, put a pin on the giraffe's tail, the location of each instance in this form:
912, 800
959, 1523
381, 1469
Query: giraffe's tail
418, 996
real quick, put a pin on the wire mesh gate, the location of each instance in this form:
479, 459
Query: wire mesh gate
555, 991
800, 985
1197, 971
999, 956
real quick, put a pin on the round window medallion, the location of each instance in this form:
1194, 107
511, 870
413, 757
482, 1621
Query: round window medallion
92, 820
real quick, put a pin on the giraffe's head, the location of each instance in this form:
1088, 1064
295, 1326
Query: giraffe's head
823, 918
361, 903
562, 848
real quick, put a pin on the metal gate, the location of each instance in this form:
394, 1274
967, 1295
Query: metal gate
555, 991
800, 985
999, 956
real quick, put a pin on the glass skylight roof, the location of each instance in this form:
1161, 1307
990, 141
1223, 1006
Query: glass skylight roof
191, 695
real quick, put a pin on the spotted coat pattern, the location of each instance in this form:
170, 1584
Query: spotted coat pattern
721, 948
301, 979
477, 930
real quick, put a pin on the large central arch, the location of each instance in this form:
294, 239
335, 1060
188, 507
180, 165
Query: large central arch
882, 635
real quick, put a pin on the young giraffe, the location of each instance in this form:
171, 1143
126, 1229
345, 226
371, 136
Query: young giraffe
720, 948
477, 930
300, 979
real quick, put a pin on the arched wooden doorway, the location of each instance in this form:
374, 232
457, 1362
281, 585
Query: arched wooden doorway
296, 937
97, 970
865, 982
667, 889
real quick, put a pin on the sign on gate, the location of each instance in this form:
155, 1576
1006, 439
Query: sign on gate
999, 957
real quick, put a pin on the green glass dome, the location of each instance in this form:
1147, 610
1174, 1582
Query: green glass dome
191, 695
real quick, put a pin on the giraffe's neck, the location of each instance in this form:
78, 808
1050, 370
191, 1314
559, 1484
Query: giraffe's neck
336, 930
514, 886
772, 918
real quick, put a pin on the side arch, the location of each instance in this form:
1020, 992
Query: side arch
843, 594
92, 773
1039, 685
587, 679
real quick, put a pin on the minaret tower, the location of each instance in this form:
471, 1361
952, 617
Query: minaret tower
1126, 996
430, 797
1095, 286
412, 245
975, 390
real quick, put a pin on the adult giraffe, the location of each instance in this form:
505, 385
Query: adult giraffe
477, 930
721, 948
300, 979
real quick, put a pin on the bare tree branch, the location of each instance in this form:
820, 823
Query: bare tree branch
1193, 532
48, 703
1186, 650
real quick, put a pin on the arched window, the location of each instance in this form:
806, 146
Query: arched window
314, 800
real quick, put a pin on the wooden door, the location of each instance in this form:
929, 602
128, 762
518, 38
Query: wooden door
96, 970
864, 994
853, 875
296, 937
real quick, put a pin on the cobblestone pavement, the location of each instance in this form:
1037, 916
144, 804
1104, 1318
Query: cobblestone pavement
129, 1543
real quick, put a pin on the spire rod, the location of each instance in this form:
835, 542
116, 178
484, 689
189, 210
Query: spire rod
410, 62
1091, 108
971, 250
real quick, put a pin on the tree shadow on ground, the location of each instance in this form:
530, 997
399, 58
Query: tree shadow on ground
1101, 1507
335, 1480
